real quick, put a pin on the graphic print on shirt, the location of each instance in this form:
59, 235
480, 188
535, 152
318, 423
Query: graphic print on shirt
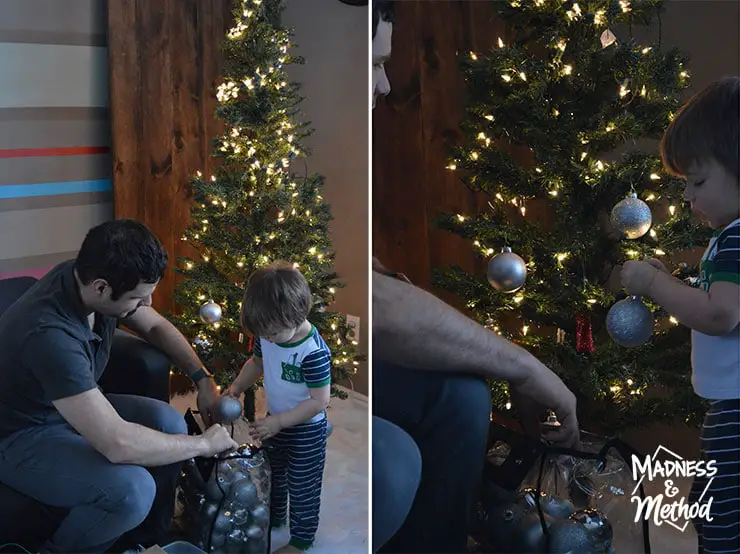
292, 371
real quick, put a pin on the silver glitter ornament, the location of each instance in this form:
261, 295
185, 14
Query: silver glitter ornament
632, 217
210, 312
506, 271
630, 322
228, 409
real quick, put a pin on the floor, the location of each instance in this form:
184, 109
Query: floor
343, 528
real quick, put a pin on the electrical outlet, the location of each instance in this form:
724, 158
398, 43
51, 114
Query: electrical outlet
353, 322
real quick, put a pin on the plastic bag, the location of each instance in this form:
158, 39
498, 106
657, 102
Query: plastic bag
538, 498
226, 500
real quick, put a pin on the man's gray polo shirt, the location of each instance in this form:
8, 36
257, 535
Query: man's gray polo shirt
48, 351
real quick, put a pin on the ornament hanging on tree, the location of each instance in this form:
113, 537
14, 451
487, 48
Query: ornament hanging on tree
506, 271
210, 312
630, 322
632, 217
607, 39
584, 335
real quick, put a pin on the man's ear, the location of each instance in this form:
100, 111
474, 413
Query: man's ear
100, 286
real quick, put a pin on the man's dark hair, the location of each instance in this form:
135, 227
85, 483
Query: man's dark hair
383, 10
123, 252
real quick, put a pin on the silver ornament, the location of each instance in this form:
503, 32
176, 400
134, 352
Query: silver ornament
228, 409
210, 312
506, 271
630, 322
632, 217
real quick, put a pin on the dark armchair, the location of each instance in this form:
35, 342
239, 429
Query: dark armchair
134, 367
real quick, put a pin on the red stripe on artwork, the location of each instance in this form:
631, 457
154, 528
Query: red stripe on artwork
38, 273
51, 152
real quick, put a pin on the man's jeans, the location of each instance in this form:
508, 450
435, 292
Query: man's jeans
57, 467
429, 441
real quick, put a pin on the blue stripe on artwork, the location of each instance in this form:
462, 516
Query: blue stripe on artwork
53, 189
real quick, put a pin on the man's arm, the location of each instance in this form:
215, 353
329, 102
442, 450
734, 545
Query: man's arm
122, 442
157, 331
413, 328
61, 366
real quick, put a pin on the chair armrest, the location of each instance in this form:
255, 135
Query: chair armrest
136, 367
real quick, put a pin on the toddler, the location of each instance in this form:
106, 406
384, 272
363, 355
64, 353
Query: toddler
701, 144
296, 365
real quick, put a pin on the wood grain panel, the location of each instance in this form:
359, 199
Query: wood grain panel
164, 65
412, 131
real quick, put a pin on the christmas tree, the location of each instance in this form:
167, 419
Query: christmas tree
261, 205
552, 114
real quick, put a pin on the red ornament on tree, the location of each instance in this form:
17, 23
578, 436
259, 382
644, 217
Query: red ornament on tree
584, 337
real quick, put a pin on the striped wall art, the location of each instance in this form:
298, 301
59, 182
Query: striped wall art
55, 161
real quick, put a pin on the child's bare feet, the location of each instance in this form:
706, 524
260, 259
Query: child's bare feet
289, 549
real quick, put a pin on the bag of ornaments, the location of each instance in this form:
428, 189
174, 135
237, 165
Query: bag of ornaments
226, 499
537, 498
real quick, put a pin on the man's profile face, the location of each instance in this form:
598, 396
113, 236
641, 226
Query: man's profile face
381, 53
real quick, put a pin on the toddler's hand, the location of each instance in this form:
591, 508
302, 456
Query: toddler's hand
637, 277
267, 427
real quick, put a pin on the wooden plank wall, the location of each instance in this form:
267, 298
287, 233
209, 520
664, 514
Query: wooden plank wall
164, 65
412, 129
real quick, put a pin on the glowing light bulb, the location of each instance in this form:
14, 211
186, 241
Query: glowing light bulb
523, 209
331, 290
672, 209
499, 197
673, 320
189, 265
506, 78
474, 155
553, 193
650, 196
591, 301
473, 56
518, 298
567, 69
489, 251
525, 329
522, 76
500, 43
653, 233
631, 253
452, 167
659, 252
460, 218
562, 256
508, 407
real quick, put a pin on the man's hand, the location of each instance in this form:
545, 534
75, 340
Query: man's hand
267, 427
637, 277
217, 440
207, 397
543, 391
